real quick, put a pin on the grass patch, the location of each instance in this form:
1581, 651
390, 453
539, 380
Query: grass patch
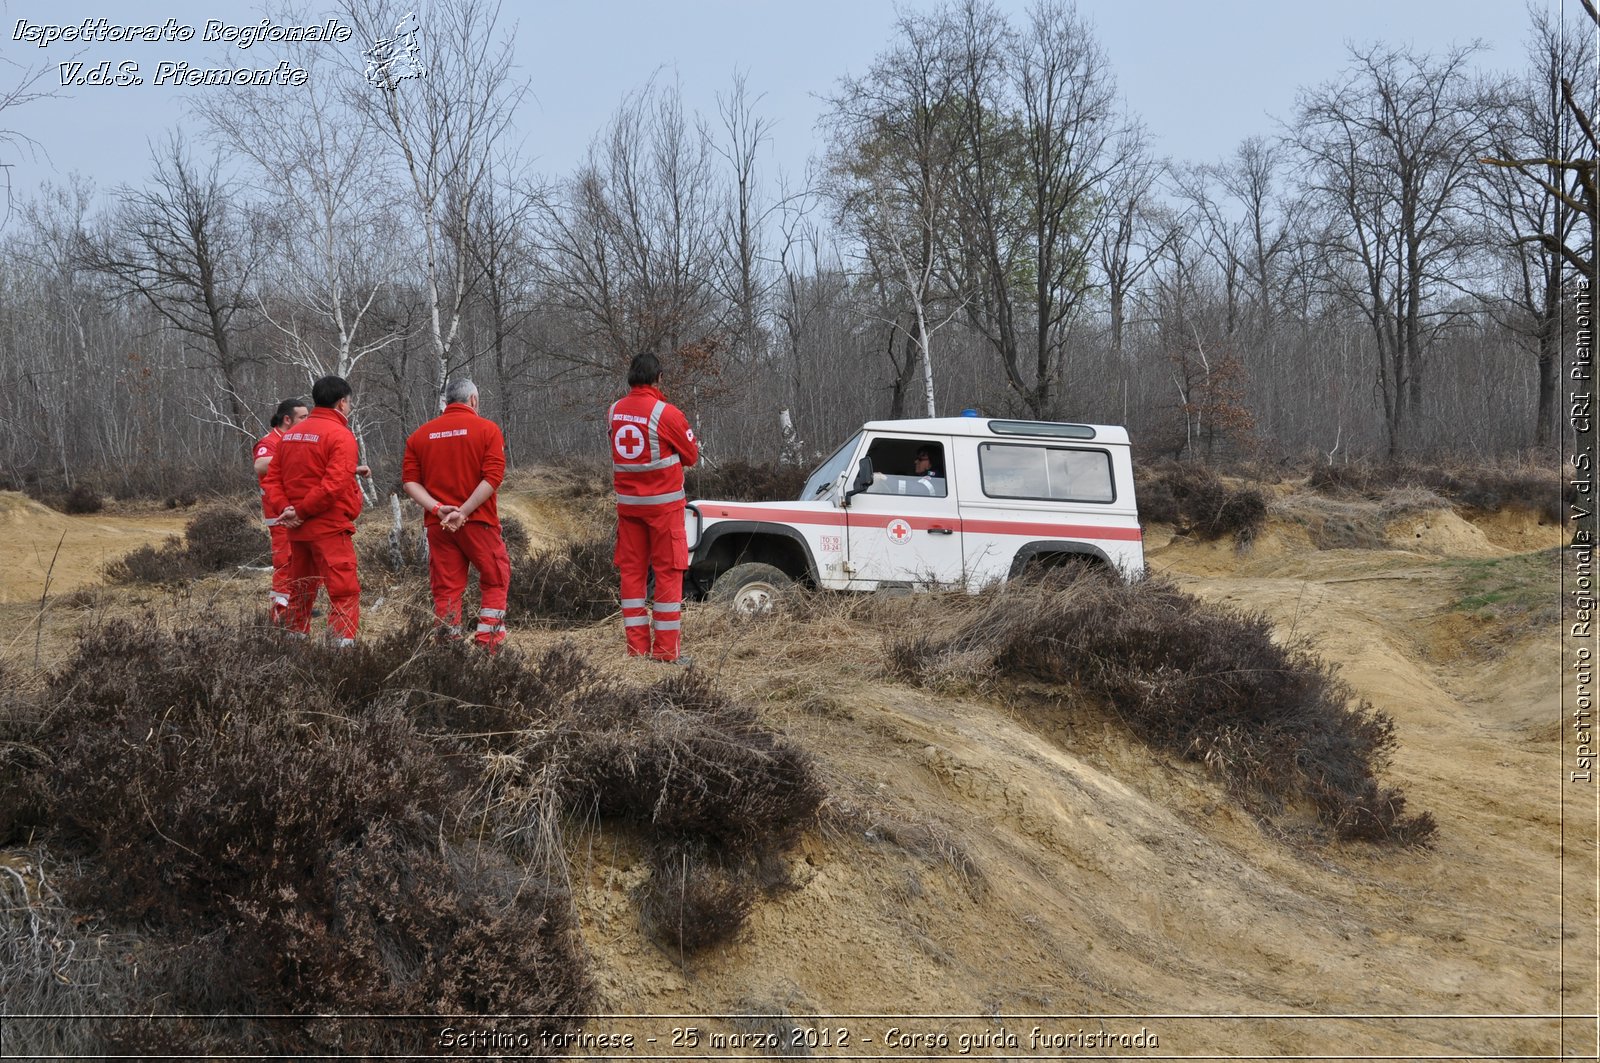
1202, 681
1355, 523
1520, 591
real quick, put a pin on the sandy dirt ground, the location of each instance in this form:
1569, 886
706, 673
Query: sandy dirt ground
1010, 867
31, 532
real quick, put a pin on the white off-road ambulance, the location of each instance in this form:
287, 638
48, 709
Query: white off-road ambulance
926, 503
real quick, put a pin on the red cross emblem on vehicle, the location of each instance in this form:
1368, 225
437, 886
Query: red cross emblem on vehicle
899, 532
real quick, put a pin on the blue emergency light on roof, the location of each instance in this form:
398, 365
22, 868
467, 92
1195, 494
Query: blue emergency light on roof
971, 411
1053, 429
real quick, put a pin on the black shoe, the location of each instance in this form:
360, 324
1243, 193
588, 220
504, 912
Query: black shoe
680, 661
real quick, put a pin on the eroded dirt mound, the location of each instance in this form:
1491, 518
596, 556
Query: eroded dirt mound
87, 543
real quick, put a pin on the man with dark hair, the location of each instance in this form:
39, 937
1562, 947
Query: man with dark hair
651, 442
289, 413
311, 485
453, 467
928, 470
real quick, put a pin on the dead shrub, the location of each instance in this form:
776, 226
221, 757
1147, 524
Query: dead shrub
221, 538
1196, 502
55, 965
167, 563
572, 583
1486, 488
286, 829
82, 499
717, 792
684, 761
693, 900
270, 816
1203, 681
515, 536
214, 539
741, 481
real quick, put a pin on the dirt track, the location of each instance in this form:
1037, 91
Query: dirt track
1002, 856
1106, 880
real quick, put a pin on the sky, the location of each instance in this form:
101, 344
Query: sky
1202, 75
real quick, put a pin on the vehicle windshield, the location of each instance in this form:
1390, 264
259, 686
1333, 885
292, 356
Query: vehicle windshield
821, 480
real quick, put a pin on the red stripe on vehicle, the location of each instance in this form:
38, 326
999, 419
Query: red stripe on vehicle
1055, 531
780, 516
881, 520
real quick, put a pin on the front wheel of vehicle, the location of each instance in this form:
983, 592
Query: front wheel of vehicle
752, 589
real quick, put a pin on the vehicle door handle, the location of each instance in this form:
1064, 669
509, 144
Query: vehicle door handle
941, 531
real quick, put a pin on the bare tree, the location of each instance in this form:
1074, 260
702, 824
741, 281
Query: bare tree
504, 256
1540, 222
1068, 97
1568, 175
743, 276
445, 126
19, 87
1270, 221
894, 158
631, 243
330, 214
1137, 231
1389, 153
185, 246
1042, 144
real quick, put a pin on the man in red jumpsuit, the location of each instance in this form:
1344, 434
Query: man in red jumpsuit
453, 467
289, 413
651, 443
311, 485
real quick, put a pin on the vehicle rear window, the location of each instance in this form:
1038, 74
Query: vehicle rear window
1055, 474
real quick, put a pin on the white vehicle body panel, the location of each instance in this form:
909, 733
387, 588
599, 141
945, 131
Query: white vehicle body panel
989, 520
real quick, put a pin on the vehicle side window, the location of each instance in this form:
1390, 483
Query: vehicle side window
1056, 474
912, 467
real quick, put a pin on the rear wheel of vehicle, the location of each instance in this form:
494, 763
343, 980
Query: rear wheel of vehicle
752, 589
1064, 568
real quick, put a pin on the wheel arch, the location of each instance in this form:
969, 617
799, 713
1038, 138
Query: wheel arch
1043, 550
731, 542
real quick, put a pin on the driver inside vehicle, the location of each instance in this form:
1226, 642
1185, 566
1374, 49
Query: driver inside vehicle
926, 476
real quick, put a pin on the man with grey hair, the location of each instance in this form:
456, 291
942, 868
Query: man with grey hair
453, 467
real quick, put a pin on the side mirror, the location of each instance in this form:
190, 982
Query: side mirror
862, 482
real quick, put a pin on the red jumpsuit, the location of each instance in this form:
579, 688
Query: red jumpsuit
267, 447
315, 472
651, 443
450, 456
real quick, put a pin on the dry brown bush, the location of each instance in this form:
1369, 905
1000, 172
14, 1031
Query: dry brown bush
693, 899
1204, 681
289, 829
742, 481
573, 583
81, 499
1486, 488
1196, 502
215, 539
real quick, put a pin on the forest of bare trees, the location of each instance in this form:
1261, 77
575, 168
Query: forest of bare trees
1389, 273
